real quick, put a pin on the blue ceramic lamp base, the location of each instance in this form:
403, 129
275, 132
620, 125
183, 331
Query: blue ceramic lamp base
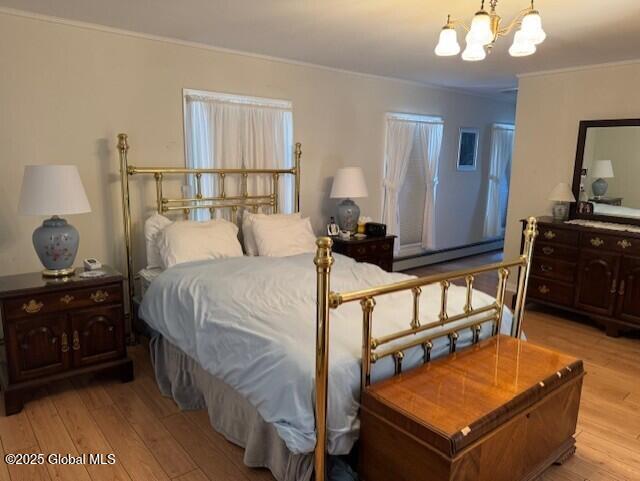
348, 215
56, 244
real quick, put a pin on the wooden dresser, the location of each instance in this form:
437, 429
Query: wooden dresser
502, 410
374, 250
595, 272
57, 328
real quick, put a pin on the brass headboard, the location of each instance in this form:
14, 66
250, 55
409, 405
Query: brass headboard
222, 201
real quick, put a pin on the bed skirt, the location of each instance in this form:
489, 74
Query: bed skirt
180, 377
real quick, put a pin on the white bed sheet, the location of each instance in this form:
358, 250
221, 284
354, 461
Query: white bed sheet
250, 322
616, 210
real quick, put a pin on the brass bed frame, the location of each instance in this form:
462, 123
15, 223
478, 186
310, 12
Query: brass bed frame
416, 335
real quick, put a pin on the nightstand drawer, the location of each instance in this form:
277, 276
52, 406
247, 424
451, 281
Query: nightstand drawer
61, 301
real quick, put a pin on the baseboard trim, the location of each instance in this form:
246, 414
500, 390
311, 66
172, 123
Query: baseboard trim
446, 255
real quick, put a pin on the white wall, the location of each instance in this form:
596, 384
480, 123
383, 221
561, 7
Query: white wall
67, 90
550, 107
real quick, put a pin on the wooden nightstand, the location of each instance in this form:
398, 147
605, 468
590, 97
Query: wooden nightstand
374, 250
58, 328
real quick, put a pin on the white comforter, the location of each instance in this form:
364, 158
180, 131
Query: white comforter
250, 322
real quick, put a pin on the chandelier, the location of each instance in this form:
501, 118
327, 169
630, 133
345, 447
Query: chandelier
486, 28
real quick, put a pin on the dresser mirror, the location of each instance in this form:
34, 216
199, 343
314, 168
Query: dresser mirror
606, 180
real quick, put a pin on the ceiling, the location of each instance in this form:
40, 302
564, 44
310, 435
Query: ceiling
393, 38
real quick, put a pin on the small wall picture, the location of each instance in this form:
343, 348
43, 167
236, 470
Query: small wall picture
468, 149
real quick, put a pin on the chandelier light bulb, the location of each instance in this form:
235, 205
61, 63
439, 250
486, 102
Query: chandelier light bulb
532, 27
448, 44
480, 30
522, 45
474, 52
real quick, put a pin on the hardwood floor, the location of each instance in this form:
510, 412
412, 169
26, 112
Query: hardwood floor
153, 440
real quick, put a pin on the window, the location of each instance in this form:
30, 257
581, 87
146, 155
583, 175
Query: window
499, 174
233, 131
411, 163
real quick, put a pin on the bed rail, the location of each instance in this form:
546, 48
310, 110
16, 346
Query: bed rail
416, 334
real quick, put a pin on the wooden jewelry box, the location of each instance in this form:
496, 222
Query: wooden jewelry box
502, 410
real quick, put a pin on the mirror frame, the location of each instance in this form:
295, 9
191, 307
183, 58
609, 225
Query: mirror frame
577, 170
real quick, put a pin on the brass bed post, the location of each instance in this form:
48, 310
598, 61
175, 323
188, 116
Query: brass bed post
298, 154
323, 262
123, 148
530, 233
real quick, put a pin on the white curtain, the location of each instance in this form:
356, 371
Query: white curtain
226, 134
430, 138
501, 152
399, 142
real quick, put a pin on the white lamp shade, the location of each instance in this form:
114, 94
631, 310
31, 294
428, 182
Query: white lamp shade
602, 169
473, 51
522, 45
562, 193
480, 31
52, 190
532, 28
349, 183
448, 44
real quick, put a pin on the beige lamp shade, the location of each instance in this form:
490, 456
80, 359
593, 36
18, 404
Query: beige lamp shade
349, 183
562, 193
52, 190
602, 169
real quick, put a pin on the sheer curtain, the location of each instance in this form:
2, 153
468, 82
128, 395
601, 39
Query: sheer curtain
430, 137
501, 152
225, 131
400, 134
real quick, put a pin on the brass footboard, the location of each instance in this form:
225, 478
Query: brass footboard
417, 334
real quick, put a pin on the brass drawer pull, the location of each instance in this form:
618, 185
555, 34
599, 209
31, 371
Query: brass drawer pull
550, 235
543, 289
597, 242
66, 299
622, 288
548, 250
624, 243
32, 306
546, 268
76, 341
362, 250
64, 345
99, 296
614, 286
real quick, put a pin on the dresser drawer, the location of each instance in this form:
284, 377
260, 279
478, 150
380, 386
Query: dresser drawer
613, 243
556, 251
551, 291
63, 300
553, 269
551, 234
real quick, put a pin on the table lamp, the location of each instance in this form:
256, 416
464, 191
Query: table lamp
602, 169
562, 196
54, 190
348, 184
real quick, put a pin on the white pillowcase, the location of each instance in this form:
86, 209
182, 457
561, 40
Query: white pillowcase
188, 241
250, 246
152, 227
277, 239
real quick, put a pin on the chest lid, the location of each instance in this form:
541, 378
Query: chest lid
453, 401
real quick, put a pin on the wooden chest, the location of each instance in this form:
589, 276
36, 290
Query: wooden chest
374, 250
503, 410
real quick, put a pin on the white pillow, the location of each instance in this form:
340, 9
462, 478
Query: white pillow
187, 241
250, 247
152, 227
277, 239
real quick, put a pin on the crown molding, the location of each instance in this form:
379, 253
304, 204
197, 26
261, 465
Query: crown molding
579, 68
203, 46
